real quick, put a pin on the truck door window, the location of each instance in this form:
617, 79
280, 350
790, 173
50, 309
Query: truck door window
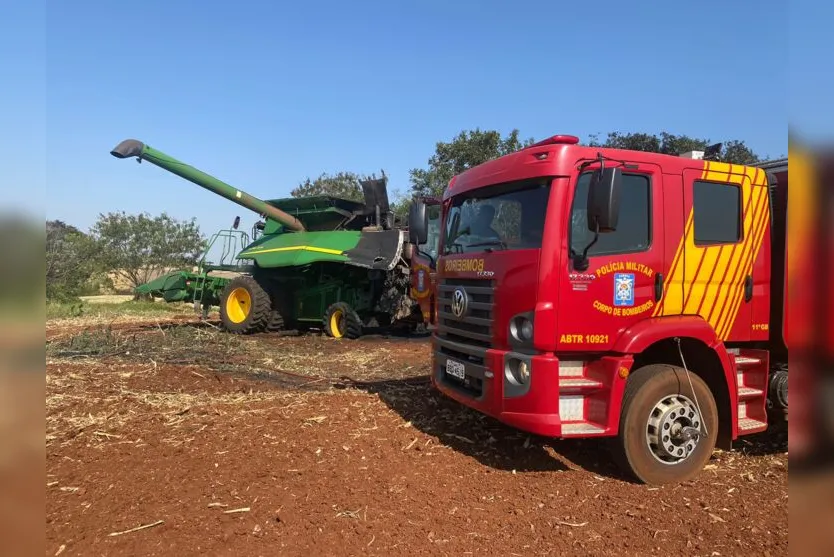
716, 212
633, 232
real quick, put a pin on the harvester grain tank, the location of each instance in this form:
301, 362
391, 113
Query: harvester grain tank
320, 260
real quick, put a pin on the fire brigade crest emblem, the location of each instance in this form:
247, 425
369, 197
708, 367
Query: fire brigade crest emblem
624, 289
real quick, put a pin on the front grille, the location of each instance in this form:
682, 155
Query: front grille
475, 326
465, 339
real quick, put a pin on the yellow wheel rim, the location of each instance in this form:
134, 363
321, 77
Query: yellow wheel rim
336, 324
238, 305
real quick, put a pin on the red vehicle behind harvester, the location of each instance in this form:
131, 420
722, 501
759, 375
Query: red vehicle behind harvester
589, 292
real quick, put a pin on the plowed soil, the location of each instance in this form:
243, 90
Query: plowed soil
176, 439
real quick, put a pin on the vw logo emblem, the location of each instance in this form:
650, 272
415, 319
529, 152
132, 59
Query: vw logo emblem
460, 301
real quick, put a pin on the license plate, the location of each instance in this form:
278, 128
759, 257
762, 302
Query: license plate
455, 369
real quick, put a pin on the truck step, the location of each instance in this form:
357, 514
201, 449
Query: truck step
749, 425
581, 429
578, 383
571, 369
747, 361
745, 393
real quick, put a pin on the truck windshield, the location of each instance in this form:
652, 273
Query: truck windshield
507, 216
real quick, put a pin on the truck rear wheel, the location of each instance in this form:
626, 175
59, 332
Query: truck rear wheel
662, 435
245, 307
341, 321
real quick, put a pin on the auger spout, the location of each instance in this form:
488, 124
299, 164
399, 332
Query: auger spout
131, 148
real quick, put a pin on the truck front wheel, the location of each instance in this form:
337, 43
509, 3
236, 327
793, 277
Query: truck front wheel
667, 431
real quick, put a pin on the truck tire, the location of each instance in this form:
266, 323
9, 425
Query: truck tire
340, 321
658, 398
245, 307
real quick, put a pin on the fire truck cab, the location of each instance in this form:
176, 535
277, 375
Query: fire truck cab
592, 292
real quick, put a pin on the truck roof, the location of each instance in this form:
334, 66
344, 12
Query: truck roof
555, 156
774, 164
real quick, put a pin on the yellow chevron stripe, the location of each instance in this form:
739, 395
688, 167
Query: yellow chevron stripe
295, 248
733, 287
714, 306
731, 278
672, 300
750, 258
713, 300
734, 278
753, 240
712, 290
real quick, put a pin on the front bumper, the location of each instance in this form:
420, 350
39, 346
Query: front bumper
534, 409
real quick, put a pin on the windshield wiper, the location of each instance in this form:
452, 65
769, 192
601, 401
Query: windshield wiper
495, 242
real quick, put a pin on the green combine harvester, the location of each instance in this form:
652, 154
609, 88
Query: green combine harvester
317, 261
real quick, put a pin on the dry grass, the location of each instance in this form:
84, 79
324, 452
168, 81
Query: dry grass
106, 383
98, 368
104, 311
289, 355
107, 298
74, 389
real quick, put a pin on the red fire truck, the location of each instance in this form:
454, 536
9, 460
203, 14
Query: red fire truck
590, 292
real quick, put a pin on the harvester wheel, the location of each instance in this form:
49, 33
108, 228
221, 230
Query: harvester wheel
341, 321
245, 307
276, 321
668, 429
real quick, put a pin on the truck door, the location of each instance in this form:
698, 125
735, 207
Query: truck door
623, 281
727, 215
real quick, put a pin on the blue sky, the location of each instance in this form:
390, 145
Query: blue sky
265, 94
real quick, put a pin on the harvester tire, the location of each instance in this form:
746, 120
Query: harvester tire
341, 321
660, 414
276, 321
245, 307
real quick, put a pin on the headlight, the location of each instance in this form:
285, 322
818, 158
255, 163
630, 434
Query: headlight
517, 371
526, 329
521, 329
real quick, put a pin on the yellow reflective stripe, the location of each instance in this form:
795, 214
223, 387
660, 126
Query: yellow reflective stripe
295, 248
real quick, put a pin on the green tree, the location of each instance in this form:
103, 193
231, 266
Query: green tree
737, 152
70, 261
733, 151
139, 248
342, 184
469, 148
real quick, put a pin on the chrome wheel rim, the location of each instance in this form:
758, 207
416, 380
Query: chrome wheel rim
673, 429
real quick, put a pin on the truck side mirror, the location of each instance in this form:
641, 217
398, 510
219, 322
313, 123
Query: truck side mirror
418, 223
604, 199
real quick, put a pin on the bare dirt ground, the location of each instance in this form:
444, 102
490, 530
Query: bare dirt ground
172, 438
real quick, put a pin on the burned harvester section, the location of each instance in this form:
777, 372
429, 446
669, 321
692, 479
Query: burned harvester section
318, 261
